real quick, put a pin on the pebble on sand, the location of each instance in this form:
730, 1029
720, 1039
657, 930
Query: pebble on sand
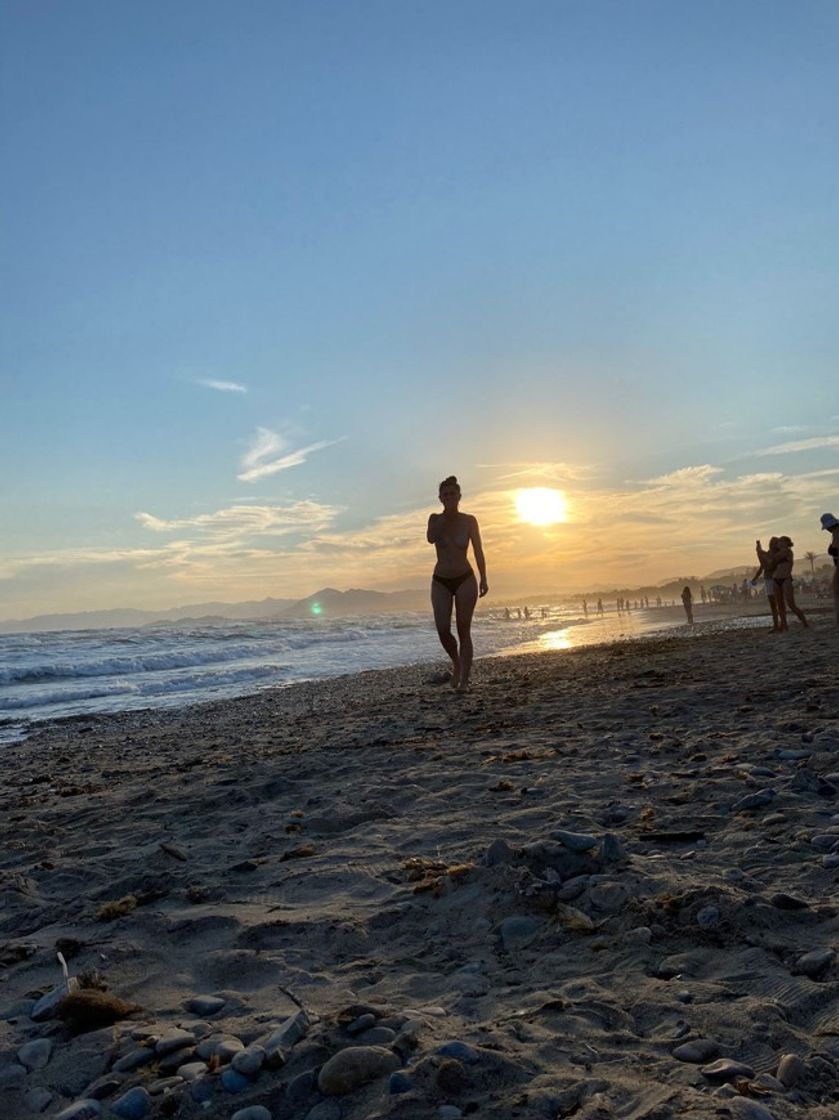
252, 1112
743, 1108
813, 964
35, 1054
726, 1069
81, 1110
697, 1050
205, 1005
791, 1070
575, 841
134, 1105
353, 1067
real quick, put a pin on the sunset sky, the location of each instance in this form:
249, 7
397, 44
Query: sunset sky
271, 270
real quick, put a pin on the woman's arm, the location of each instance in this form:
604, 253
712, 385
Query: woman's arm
432, 533
478, 549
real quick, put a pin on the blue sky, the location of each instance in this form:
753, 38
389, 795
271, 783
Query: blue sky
594, 243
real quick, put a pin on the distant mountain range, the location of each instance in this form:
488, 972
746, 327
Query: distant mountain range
328, 601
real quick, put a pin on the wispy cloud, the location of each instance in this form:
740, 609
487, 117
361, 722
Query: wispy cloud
241, 521
221, 386
789, 429
263, 457
815, 443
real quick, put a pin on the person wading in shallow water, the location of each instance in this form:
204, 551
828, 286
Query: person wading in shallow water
453, 582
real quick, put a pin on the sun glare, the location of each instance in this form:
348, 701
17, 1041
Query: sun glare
541, 506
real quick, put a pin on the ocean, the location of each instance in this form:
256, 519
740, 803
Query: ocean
56, 674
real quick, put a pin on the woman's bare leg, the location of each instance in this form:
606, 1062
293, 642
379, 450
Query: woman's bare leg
781, 604
773, 606
441, 601
465, 599
793, 606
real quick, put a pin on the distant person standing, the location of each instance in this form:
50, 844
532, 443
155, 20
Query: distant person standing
831, 525
600, 606
453, 582
585, 609
767, 558
784, 592
687, 603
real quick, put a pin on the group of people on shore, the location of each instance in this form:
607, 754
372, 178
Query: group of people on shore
454, 585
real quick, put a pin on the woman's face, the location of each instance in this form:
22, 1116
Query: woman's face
449, 496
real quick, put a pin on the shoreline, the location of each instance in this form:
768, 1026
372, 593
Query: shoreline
15, 730
555, 872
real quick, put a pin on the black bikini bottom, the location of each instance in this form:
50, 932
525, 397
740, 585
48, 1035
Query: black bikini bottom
451, 583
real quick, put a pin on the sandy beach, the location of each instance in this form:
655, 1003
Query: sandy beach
602, 884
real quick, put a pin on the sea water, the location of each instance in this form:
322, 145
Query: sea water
78, 672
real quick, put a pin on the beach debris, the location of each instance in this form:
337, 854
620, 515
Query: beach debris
571, 918
353, 1067
174, 851
287, 1035
116, 908
89, 1009
303, 851
433, 874
13, 952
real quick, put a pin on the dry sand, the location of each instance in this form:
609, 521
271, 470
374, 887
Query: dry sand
381, 852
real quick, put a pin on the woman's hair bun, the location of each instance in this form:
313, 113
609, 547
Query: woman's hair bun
450, 481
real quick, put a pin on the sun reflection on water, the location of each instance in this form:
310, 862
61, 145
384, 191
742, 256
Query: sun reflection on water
555, 639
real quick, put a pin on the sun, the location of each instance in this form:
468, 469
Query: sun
540, 505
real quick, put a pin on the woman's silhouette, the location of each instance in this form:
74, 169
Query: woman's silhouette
453, 582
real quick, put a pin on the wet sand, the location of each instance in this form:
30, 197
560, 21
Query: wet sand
595, 876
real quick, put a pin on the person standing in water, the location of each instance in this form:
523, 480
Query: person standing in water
687, 603
453, 582
831, 525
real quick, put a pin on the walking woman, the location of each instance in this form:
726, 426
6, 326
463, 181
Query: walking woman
453, 582
831, 525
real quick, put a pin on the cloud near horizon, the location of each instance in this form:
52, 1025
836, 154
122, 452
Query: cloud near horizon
690, 521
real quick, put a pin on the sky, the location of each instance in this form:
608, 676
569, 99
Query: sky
272, 270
